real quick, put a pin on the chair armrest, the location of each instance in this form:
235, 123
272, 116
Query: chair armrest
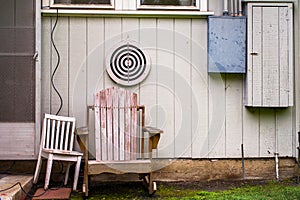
82, 138
154, 136
152, 130
82, 131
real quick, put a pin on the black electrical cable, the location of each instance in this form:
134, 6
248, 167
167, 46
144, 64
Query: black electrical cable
27, 194
57, 64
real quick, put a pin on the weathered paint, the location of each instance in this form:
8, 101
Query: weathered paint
227, 44
270, 56
202, 114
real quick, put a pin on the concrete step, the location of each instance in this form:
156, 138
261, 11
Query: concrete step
15, 193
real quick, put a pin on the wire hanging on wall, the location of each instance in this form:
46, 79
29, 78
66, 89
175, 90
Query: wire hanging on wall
57, 63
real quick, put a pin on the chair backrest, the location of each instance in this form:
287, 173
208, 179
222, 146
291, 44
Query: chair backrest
58, 132
116, 124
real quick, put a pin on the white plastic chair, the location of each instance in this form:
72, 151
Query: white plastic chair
57, 144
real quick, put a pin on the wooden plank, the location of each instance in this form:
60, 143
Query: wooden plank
95, 70
233, 119
182, 88
115, 114
129, 5
203, 5
199, 80
134, 136
103, 125
122, 122
216, 115
109, 123
97, 139
267, 132
51, 145
291, 53
148, 88
284, 83
270, 73
251, 132
256, 75
165, 86
67, 136
62, 135
57, 133
284, 131
127, 125
95, 57
77, 51
47, 61
130, 29
60, 79
112, 36
72, 130
119, 167
248, 101
48, 134
119, 4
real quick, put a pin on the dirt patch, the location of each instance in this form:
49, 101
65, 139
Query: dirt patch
215, 185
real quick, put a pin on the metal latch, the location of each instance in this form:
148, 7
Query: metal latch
35, 56
254, 53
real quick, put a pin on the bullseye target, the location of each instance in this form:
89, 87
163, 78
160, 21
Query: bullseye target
128, 64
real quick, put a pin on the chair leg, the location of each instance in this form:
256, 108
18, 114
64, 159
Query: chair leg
48, 171
76, 174
67, 173
37, 170
85, 186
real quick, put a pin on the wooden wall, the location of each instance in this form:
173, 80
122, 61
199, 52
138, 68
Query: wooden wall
202, 114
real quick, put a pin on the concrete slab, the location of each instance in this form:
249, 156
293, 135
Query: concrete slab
13, 182
60, 193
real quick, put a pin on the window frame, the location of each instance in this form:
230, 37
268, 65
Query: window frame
200, 5
83, 6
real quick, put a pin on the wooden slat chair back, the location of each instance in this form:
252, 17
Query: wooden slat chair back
120, 140
116, 125
57, 142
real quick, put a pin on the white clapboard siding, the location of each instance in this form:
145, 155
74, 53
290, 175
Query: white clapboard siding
165, 85
78, 62
46, 65
112, 35
202, 114
216, 116
233, 119
95, 69
284, 132
60, 79
199, 78
267, 130
148, 88
251, 131
270, 55
182, 88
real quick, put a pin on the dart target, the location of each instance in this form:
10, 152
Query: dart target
128, 64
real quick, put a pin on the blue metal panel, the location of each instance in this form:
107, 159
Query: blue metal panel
227, 44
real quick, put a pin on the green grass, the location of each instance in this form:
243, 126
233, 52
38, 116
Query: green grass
269, 191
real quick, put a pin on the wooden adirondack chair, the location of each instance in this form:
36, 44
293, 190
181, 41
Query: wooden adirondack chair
57, 144
121, 144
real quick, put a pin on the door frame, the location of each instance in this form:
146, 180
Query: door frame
38, 92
